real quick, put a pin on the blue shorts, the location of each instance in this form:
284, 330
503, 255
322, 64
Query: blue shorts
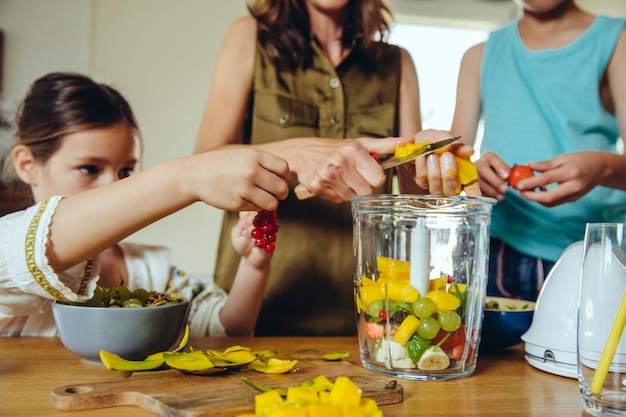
513, 274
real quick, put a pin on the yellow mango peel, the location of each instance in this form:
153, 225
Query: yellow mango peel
273, 365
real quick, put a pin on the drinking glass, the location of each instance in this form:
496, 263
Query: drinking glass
601, 345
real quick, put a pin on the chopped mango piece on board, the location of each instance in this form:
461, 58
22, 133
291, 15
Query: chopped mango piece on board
345, 392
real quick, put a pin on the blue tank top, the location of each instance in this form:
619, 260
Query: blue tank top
537, 105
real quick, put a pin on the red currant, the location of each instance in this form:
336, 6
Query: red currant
265, 229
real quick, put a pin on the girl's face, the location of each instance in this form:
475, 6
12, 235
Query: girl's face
87, 159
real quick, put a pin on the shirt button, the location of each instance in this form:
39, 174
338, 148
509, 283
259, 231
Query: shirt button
334, 83
284, 118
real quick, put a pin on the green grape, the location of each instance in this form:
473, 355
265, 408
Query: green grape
429, 327
449, 320
133, 303
140, 294
424, 307
373, 309
121, 293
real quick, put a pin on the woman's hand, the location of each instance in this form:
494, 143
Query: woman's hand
436, 173
337, 169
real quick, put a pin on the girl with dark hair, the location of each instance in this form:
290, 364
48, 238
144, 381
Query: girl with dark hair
78, 145
292, 73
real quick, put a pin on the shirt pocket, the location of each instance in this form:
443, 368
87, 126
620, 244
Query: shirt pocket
286, 112
376, 121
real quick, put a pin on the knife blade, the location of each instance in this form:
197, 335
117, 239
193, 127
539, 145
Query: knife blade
428, 149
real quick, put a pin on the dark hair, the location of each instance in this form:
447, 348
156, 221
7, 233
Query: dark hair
58, 104
284, 30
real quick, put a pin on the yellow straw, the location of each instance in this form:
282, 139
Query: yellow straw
609, 348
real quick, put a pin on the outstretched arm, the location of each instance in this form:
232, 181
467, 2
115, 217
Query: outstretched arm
232, 178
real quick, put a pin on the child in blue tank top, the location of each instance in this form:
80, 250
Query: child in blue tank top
551, 91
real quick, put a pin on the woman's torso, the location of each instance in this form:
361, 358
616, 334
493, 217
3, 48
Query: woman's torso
310, 289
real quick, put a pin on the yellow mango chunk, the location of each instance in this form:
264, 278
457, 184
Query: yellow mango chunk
444, 301
324, 397
288, 410
353, 410
318, 384
266, 401
393, 269
401, 292
299, 395
406, 330
369, 405
324, 410
410, 149
467, 170
345, 392
371, 293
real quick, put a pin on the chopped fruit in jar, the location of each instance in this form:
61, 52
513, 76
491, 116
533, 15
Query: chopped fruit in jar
429, 328
406, 330
444, 301
376, 330
433, 359
393, 269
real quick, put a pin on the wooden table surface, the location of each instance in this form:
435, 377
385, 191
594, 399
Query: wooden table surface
504, 384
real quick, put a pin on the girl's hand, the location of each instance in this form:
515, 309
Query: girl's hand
238, 178
243, 242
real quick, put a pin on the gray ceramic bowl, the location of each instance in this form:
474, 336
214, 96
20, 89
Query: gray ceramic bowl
503, 327
132, 333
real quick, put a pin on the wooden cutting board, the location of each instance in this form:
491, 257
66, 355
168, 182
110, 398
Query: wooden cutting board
169, 393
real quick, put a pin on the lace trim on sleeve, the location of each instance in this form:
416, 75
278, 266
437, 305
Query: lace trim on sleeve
35, 272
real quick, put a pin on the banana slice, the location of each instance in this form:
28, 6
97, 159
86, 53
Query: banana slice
433, 359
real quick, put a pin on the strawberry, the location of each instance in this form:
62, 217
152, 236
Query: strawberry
457, 337
518, 173
457, 352
376, 330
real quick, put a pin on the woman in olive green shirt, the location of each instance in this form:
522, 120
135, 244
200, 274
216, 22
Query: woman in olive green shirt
295, 72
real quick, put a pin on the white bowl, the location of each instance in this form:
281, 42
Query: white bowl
132, 333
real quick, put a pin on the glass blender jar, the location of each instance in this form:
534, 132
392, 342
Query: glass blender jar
421, 266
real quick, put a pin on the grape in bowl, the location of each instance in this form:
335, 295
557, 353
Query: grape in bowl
132, 332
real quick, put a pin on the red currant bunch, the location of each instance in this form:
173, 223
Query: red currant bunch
265, 229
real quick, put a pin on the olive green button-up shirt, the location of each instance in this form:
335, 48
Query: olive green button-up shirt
310, 290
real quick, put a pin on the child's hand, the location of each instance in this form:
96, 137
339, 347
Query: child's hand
243, 242
575, 174
238, 177
492, 175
